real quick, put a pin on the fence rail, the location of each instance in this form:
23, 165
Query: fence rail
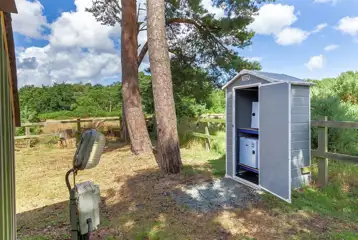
322, 151
77, 121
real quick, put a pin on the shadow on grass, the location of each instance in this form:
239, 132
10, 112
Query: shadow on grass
143, 208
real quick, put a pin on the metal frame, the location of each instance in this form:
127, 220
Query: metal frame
226, 158
234, 177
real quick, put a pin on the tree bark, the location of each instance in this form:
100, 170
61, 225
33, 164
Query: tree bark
168, 151
132, 105
124, 135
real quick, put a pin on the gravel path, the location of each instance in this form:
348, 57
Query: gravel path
218, 194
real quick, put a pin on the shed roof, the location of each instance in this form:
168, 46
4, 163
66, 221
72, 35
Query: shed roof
270, 77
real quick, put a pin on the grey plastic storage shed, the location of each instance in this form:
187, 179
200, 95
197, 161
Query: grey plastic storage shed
268, 132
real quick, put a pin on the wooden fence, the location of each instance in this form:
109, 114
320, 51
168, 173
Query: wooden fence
322, 151
77, 121
206, 135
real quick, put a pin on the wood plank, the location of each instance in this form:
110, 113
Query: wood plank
32, 136
322, 149
336, 156
201, 135
208, 143
334, 124
212, 120
70, 121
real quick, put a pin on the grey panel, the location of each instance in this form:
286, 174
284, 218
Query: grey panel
244, 99
300, 145
229, 157
299, 127
296, 172
300, 117
275, 165
301, 181
300, 158
280, 77
239, 82
300, 91
300, 101
300, 109
299, 136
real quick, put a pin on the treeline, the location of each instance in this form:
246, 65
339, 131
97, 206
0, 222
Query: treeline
194, 92
337, 98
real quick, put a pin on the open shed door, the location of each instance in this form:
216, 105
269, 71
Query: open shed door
274, 118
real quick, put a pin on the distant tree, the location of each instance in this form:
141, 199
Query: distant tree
196, 36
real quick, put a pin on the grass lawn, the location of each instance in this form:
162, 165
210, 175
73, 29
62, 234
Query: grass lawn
136, 203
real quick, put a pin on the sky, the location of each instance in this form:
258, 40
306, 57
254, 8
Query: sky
58, 41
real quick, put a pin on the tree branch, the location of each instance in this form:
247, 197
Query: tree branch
142, 53
144, 50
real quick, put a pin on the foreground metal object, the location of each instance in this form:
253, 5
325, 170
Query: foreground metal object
85, 197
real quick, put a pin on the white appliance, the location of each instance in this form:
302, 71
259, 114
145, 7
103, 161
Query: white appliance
249, 152
255, 115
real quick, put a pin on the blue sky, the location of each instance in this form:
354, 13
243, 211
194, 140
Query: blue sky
58, 41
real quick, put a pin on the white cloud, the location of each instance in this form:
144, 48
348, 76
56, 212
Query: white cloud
219, 12
290, 36
315, 62
30, 21
79, 49
277, 20
348, 25
48, 65
272, 18
258, 59
320, 27
331, 47
81, 29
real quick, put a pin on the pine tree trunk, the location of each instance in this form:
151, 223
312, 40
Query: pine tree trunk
132, 105
168, 151
124, 135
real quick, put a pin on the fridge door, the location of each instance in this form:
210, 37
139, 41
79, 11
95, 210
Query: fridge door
248, 152
275, 130
255, 115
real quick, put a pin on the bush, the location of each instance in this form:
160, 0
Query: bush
334, 98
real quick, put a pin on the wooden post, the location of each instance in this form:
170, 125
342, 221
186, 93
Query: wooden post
207, 144
322, 149
78, 130
28, 133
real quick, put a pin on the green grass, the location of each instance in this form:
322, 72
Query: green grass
338, 200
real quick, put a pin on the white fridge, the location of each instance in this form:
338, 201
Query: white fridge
249, 152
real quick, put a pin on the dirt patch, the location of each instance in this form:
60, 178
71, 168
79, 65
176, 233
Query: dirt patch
215, 195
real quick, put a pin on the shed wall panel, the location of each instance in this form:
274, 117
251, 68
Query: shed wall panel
300, 158
300, 134
7, 166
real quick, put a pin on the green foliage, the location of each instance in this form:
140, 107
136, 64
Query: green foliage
69, 101
338, 100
